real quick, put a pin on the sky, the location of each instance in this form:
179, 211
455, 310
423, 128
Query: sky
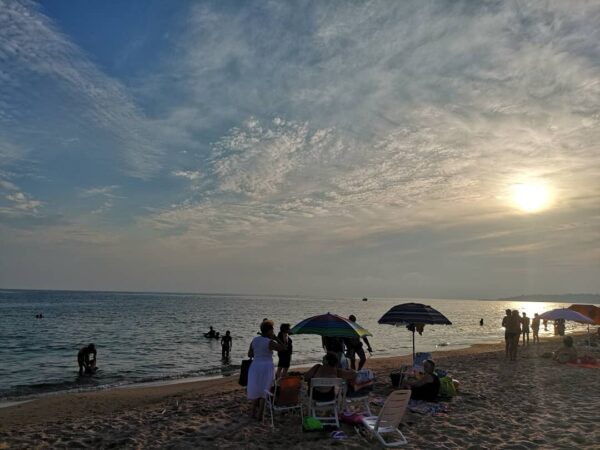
367, 148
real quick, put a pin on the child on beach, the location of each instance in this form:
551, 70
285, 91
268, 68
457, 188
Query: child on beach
226, 343
285, 356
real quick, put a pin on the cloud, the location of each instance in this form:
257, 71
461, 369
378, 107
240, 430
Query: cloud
22, 202
191, 175
393, 128
105, 191
74, 98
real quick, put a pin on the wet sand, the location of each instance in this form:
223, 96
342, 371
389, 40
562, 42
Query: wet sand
531, 403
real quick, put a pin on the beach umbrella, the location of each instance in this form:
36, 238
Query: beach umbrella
330, 325
591, 311
413, 314
565, 314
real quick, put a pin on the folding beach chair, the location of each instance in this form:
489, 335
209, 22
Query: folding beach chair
285, 396
389, 418
331, 405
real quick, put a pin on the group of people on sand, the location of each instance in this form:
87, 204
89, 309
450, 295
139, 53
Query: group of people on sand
516, 327
334, 365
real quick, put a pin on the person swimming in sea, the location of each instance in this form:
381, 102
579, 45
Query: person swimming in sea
86, 358
211, 333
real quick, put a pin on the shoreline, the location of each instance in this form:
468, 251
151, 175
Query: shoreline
214, 413
139, 394
234, 372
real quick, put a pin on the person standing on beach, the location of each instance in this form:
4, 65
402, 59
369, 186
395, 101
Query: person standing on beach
285, 356
535, 327
525, 327
260, 374
505, 320
334, 345
514, 334
355, 347
481, 322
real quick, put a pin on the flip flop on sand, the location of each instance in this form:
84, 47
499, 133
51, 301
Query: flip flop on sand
338, 435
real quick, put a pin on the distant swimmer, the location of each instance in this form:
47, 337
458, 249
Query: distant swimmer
86, 358
211, 333
39, 316
480, 322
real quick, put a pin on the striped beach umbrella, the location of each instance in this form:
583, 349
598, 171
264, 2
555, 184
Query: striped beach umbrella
413, 314
330, 325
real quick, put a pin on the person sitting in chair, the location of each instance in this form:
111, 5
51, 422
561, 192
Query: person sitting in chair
329, 369
428, 386
567, 353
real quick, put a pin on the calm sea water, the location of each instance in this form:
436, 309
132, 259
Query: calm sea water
152, 337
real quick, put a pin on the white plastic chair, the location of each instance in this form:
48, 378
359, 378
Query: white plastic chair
389, 418
286, 396
331, 405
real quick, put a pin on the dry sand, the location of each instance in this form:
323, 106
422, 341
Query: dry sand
531, 403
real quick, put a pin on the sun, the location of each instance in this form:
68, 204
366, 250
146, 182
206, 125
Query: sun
530, 197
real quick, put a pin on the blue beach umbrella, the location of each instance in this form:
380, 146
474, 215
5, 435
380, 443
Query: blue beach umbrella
412, 314
330, 325
565, 314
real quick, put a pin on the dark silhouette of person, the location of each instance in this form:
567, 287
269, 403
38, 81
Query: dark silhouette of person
334, 345
354, 347
211, 333
525, 322
535, 327
226, 344
285, 356
505, 320
481, 322
86, 358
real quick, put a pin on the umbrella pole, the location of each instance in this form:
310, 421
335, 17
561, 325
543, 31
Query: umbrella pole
413, 332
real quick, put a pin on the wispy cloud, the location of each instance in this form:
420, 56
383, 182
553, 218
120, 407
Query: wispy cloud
325, 127
77, 99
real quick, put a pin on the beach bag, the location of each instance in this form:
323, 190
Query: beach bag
243, 381
447, 388
351, 418
311, 424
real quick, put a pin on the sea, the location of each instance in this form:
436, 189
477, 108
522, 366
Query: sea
159, 337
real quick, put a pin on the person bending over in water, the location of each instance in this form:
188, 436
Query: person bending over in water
567, 352
226, 343
86, 358
428, 386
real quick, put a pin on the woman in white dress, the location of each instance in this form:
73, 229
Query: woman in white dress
261, 372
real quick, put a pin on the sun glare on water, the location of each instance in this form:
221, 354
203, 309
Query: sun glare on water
530, 197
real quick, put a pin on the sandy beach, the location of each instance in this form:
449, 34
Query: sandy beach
532, 403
